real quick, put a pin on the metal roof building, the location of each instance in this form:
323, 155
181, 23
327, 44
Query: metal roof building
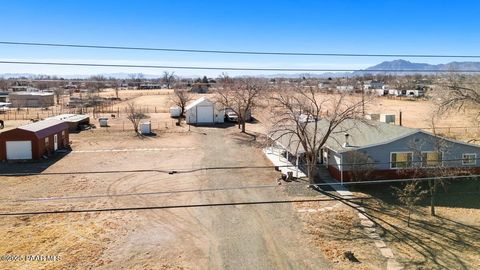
203, 111
34, 140
73, 120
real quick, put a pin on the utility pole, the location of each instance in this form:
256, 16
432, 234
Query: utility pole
363, 98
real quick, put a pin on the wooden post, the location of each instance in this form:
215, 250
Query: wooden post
296, 167
400, 118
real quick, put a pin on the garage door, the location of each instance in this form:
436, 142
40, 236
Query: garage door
204, 114
19, 150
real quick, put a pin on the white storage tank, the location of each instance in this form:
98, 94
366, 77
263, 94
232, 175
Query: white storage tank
103, 121
146, 127
175, 111
387, 118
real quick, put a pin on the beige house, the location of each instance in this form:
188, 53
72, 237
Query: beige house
31, 99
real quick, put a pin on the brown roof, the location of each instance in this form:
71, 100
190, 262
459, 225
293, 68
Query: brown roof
45, 127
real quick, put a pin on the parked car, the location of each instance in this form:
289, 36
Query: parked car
231, 116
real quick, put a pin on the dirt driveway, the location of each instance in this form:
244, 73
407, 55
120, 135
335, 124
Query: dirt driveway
224, 237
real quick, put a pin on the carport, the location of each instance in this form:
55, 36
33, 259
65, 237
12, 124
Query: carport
34, 140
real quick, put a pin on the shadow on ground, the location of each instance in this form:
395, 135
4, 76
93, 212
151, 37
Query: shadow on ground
429, 242
33, 166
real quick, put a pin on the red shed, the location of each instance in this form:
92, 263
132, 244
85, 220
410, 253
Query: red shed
34, 140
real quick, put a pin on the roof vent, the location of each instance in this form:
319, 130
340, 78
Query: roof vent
346, 144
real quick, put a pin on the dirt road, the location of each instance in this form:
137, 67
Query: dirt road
227, 237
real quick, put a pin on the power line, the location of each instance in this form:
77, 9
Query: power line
87, 46
116, 209
236, 68
318, 185
183, 171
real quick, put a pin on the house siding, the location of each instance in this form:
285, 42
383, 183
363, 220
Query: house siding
380, 155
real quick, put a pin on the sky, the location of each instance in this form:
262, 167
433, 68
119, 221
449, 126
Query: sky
328, 26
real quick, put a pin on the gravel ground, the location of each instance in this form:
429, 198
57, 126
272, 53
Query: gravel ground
226, 237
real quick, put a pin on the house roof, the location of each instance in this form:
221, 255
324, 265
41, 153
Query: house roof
362, 134
31, 94
195, 103
45, 127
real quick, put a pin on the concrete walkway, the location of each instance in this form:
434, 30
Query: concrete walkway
275, 156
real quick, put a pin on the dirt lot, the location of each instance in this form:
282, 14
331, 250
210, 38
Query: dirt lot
227, 237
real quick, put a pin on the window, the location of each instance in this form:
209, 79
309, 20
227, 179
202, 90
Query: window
469, 159
46, 142
432, 159
401, 160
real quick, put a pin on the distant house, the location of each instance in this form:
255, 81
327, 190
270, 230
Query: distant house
200, 87
396, 92
415, 93
150, 86
373, 85
345, 88
23, 88
326, 85
391, 151
31, 99
3, 96
70, 86
204, 111
379, 92
34, 140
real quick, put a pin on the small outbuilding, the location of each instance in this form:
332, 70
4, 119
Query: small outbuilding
74, 121
34, 140
204, 111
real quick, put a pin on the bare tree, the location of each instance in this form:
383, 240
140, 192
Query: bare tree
134, 115
4, 84
58, 91
409, 195
96, 83
428, 161
42, 85
459, 93
116, 88
309, 117
180, 98
241, 96
169, 78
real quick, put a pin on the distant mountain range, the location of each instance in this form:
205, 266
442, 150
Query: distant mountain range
407, 65
391, 66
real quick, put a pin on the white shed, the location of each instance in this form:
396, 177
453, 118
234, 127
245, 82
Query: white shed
204, 111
